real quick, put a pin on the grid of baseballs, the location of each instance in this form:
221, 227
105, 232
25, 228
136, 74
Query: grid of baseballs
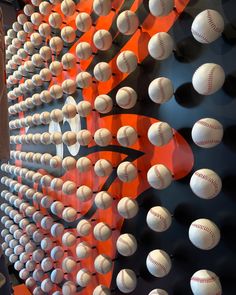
34, 240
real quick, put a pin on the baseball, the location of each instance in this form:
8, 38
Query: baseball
69, 288
45, 118
45, 138
103, 168
102, 231
57, 253
205, 282
69, 163
68, 34
38, 235
83, 22
159, 219
84, 227
103, 264
38, 255
84, 80
158, 263
68, 239
69, 264
46, 285
127, 136
69, 61
68, 7
28, 9
23, 274
103, 200
208, 78
103, 104
56, 44
45, 30
126, 97
101, 290
83, 50
69, 86
56, 91
160, 90
160, 46
69, 214
126, 245
56, 115
47, 222
84, 193
204, 234
45, 159
102, 71
207, 26
55, 68
69, 187
46, 75
103, 137
45, 8
127, 22
84, 137
159, 177
207, 132
160, 7
57, 276
36, 18
126, 281
160, 133
127, 61
30, 283
57, 230
84, 164
37, 80
102, 40
46, 202
158, 292
83, 250
36, 39
127, 171
102, 7
205, 183
56, 162
55, 20
47, 264
127, 207
69, 138
28, 27
83, 277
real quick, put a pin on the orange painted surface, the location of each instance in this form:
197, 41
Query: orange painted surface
21, 290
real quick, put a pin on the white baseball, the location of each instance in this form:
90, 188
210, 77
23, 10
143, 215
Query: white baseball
159, 219
69, 86
127, 61
83, 22
160, 46
103, 200
47, 264
56, 138
69, 288
69, 264
205, 282
84, 137
102, 71
102, 231
160, 90
69, 163
160, 133
47, 222
56, 162
158, 292
126, 97
84, 164
28, 27
57, 276
158, 263
127, 136
127, 171
102, 40
84, 227
69, 138
36, 39
208, 78
68, 60
103, 264
103, 104
84, 80
204, 234
83, 250
69, 214
102, 7
84, 193
69, 187
207, 26
160, 7
127, 207
68, 34
68, 239
126, 245
28, 9
57, 253
36, 18
45, 74
126, 280
83, 277
83, 50
57, 230
102, 137
207, 132
45, 8
56, 208
56, 115
55, 68
45, 30
103, 168
68, 7
55, 20
101, 290
205, 183
127, 22
56, 44
84, 108
56, 91
159, 177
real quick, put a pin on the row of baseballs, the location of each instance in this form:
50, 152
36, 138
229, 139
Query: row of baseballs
206, 132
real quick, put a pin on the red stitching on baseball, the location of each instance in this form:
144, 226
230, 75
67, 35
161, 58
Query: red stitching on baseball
158, 264
129, 97
211, 23
101, 39
159, 176
161, 133
200, 36
126, 62
126, 138
126, 174
100, 72
204, 280
208, 230
81, 22
209, 179
210, 80
158, 215
162, 46
127, 244
128, 22
159, 84
204, 123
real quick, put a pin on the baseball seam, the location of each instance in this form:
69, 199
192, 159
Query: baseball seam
204, 280
198, 34
161, 133
102, 45
159, 216
157, 264
123, 281
126, 137
162, 46
210, 180
128, 22
127, 244
211, 23
208, 230
159, 176
162, 90
204, 123
210, 80
128, 69
129, 98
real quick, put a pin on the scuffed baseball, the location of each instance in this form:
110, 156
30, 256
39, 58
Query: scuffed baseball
103, 264
69, 138
83, 250
84, 80
84, 164
102, 7
84, 193
103, 168
84, 227
69, 187
83, 50
101, 290
83, 277
102, 71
